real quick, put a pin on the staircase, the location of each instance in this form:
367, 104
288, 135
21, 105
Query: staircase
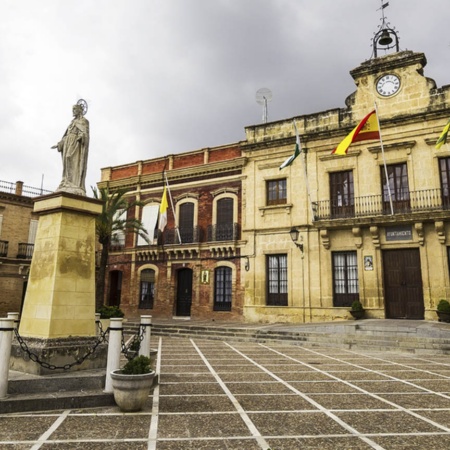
417, 336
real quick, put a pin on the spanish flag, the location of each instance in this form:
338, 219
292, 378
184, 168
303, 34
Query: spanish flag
443, 137
163, 211
367, 129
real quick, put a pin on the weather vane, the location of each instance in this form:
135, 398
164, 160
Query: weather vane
386, 37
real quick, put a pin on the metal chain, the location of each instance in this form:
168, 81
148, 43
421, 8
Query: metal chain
35, 358
132, 349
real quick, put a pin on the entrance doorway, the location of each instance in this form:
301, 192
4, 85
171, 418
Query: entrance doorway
184, 292
403, 293
115, 287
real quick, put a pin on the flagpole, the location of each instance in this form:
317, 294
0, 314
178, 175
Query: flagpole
308, 192
384, 161
173, 209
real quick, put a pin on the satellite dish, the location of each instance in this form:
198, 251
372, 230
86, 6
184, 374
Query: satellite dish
263, 96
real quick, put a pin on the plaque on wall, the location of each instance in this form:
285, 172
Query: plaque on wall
399, 233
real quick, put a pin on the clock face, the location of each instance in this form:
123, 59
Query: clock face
388, 85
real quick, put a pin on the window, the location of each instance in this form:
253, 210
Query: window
149, 221
276, 192
147, 289
342, 194
277, 287
444, 169
224, 220
398, 188
186, 222
222, 289
345, 278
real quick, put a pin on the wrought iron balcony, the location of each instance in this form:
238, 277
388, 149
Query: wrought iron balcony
187, 235
25, 251
223, 232
378, 205
4, 248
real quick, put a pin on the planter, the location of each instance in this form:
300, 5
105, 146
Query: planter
443, 316
131, 391
359, 314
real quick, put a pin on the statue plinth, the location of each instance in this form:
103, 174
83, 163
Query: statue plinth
59, 304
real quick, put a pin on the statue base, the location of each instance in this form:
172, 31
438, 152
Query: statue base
49, 356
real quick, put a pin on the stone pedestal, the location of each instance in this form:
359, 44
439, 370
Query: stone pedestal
58, 315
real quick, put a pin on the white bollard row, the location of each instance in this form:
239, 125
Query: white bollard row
146, 325
114, 350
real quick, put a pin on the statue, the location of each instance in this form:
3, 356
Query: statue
74, 148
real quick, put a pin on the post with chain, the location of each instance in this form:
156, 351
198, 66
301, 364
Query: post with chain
6, 335
114, 350
15, 317
146, 324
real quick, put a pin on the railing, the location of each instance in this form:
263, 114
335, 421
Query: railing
377, 205
25, 251
27, 191
187, 235
4, 248
223, 232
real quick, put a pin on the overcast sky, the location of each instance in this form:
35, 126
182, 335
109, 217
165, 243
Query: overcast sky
168, 76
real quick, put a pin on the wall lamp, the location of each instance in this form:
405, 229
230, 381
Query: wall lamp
294, 236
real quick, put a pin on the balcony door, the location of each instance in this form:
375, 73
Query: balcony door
342, 194
397, 189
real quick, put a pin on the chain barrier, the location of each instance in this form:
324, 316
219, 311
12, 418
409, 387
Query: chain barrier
132, 349
35, 358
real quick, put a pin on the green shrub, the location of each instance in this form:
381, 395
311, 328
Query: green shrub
137, 366
106, 312
357, 306
443, 306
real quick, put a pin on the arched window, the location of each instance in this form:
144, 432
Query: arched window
147, 289
223, 288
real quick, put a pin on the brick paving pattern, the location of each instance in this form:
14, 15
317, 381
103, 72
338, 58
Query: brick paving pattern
216, 395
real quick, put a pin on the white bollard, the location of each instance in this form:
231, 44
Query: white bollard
15, 316
114, 349
6, 334
146, 326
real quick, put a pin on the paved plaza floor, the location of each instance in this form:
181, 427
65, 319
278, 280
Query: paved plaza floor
216, 395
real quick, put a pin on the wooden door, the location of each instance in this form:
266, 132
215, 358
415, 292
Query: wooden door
184, 292
403, 293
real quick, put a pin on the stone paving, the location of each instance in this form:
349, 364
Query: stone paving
216, 395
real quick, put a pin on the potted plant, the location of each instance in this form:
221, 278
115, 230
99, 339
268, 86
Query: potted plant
106, 312
132, 384
357, 310
443, 311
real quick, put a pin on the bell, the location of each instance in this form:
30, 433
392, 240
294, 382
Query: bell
385, 38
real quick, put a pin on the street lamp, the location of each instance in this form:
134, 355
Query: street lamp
294, 236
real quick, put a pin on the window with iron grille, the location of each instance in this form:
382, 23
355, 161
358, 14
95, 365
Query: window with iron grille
398, 187
444, 169
276, 276
147, 289
345, 278
222, 289
276, 192
342, 194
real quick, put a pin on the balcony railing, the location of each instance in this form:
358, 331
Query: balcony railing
223, 232
187, 235
378, 205
4, 248
25, 251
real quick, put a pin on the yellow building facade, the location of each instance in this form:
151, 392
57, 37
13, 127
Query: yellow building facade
373, 225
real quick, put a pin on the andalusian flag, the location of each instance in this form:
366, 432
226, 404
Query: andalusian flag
367, 129
163, 211
443, 137
297, 150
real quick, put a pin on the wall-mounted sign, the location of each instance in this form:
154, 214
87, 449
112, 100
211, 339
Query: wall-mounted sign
204, 277
399, 233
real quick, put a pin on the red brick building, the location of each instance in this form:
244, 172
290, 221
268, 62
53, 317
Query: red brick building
193, 268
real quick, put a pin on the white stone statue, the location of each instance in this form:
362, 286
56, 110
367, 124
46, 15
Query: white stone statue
74, 148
